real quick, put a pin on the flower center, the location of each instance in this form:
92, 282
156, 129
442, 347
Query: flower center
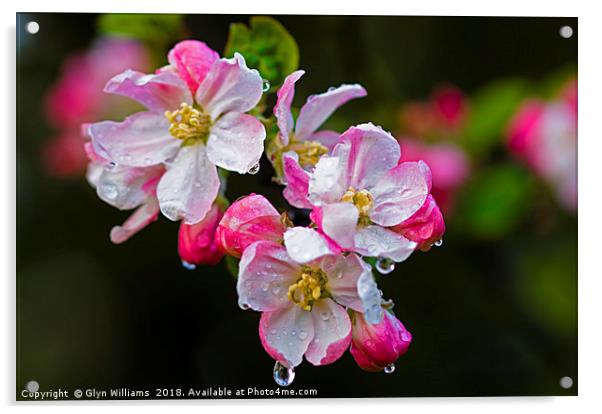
189, 124
309, 151
362, 200
310, 287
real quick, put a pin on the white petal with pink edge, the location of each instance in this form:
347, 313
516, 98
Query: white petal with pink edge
286, 333
141, 140
139, 219
265, 273
318, 108
236, 142
339, 222
296, 180
400, 193
282, 109
343, 272
326, 137
376, 241
164, 91
371, 297
125, 188
187, 190
230, 86
328, 182
304, 245
332, 332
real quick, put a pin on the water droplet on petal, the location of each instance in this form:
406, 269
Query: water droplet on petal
111, 165
254, 169
332, 89
439, 243
385, 265
266, 85
188, 266
325, 315
302, 335
244, 306
283, 375
389, 369
110, 191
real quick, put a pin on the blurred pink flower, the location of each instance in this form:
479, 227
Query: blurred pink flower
544, 135
448, 163
196, 242
77, 97
377, 346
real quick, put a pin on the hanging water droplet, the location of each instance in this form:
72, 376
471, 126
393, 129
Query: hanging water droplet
266, 85
254, 169
332, 89
188, 266
385, 265
244, 306
389, 369
282, 375
439, 243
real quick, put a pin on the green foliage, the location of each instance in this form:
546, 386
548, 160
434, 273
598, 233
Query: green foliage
267, 46
495, 201
491, 109
232, 265
157, 31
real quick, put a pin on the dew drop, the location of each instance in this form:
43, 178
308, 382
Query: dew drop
111, 165
148, 161
439, 243
332, 89
385, 265
302, 335
188, 266
273, 331
266, 85
389, 369
254, 169
244, 306
282, 375
325, 316
110, 191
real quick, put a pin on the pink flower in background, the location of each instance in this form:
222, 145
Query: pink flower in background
377, 346
125, 188
77, 98
448, 163
442, 115
361, 192
196, 242
544, 136
195, 123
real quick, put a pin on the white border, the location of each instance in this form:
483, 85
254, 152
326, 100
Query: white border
590, 139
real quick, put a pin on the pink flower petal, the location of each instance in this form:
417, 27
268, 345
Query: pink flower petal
368, 152
189, 187
332, 332
230, 86
142, 217
246, 221
276, 333
425, 226
400, 193
126, 188
282, 110
339, 222
297, 181
196, 242
325, 137
161, 92
264, 275
193, 60
319, 107
343, 273
236, 142
376, 241
305, 245
143, 139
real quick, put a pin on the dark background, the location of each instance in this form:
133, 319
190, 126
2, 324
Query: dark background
94, 315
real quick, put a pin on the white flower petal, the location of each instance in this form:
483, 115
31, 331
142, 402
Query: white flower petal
304, 245
376, 241
332, 332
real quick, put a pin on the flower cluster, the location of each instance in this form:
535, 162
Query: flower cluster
544, 136
314, 284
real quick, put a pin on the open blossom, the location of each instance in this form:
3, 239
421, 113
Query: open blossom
361, 193
544, 135
301, 137
196, 242
125, 188
77, 97
448, 163
376, 346
195, 122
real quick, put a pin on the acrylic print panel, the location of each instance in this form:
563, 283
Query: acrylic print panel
221, 206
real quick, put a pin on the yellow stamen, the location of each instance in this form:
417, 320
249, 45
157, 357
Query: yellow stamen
309, 151
188, 123
310, 287
362, 200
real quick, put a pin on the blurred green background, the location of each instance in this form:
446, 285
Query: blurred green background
492, 312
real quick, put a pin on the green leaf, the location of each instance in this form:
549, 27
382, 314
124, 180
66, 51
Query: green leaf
491, 110
267, 46
232, 265
495, 201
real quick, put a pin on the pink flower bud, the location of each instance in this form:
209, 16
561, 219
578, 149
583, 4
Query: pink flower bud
425, 226
246, 221
196, 242
374, 347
